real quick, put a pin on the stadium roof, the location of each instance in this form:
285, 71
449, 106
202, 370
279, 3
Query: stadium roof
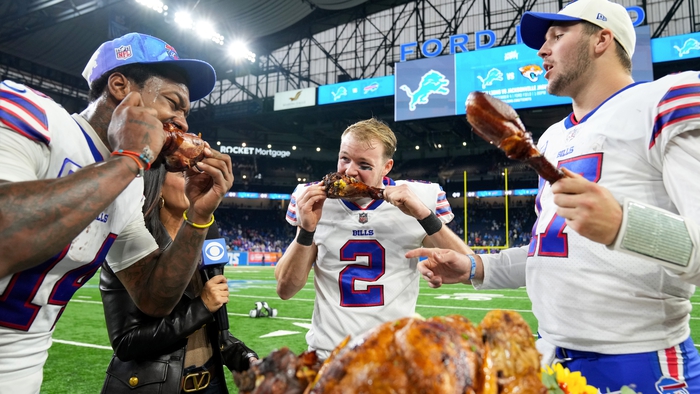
61, 35
52, 40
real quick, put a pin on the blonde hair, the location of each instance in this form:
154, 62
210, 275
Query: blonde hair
367, 131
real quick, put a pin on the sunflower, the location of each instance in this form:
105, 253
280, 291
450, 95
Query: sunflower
560, 380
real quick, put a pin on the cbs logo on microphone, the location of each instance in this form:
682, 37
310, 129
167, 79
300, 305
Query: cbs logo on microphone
214, 251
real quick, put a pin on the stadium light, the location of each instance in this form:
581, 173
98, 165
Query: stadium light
269, 146
239, 50
318, 149
218, 142
294, 147
417, 147
243, 144
183, 20
155, 5
464, 143
205, 30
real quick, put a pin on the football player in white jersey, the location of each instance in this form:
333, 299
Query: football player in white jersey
604, 304
356, 247
71, 195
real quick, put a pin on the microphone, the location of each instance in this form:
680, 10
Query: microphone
214, 258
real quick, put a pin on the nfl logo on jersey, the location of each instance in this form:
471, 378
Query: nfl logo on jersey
363, 217
123, 52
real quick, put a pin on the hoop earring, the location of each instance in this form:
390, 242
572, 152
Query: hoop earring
162, 202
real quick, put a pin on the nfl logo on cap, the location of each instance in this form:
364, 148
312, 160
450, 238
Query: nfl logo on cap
123, 52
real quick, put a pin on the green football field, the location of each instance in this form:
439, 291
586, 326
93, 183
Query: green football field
80, 352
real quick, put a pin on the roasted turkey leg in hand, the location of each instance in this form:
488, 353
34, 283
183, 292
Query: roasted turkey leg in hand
343, 186
498, 123
181, 150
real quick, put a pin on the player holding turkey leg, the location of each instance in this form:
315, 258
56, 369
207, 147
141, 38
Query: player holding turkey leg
604, 303
356, 247
71, 193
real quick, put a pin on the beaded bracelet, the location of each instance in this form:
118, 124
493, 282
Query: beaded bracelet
473, 271
140, 156
195, 225
136, 160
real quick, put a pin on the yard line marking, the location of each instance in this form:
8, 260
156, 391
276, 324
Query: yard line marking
276, 317
81, 344
279, 333
268, 297
86, 301
468, 308
303, 325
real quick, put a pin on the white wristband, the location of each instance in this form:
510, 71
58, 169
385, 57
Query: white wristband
654, 234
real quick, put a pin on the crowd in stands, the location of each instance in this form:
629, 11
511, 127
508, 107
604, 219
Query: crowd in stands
254, 230
266, 230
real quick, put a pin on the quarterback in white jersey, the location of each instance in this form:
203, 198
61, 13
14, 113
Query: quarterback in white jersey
356, 248
71, 196
607, 147
616, 317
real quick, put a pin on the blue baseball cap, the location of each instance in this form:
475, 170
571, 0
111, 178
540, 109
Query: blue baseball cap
141, 48
602, 13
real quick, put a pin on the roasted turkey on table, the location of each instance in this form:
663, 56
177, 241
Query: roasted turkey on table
416, 355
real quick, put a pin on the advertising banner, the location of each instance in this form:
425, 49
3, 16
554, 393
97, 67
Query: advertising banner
424, 88
295, 99
356, 90
666, 49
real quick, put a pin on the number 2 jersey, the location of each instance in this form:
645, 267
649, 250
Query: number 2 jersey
361, 276
40, 140
584, 295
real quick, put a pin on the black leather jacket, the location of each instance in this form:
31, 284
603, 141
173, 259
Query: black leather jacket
149, 352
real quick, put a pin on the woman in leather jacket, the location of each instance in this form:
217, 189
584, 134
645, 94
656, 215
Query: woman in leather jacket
150, 354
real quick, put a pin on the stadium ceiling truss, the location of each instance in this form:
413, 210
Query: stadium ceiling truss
370, 45
366, 47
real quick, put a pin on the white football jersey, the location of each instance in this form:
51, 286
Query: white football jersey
42, 141
361, 276
584, 295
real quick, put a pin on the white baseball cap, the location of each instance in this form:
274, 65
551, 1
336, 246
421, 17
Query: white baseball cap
603, 13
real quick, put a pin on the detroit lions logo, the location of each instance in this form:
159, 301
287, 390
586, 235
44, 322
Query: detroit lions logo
531, 72
432, 82
667, 385
339, 93
492, 76
690, 44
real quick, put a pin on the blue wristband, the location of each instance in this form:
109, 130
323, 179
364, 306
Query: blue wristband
473, 271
